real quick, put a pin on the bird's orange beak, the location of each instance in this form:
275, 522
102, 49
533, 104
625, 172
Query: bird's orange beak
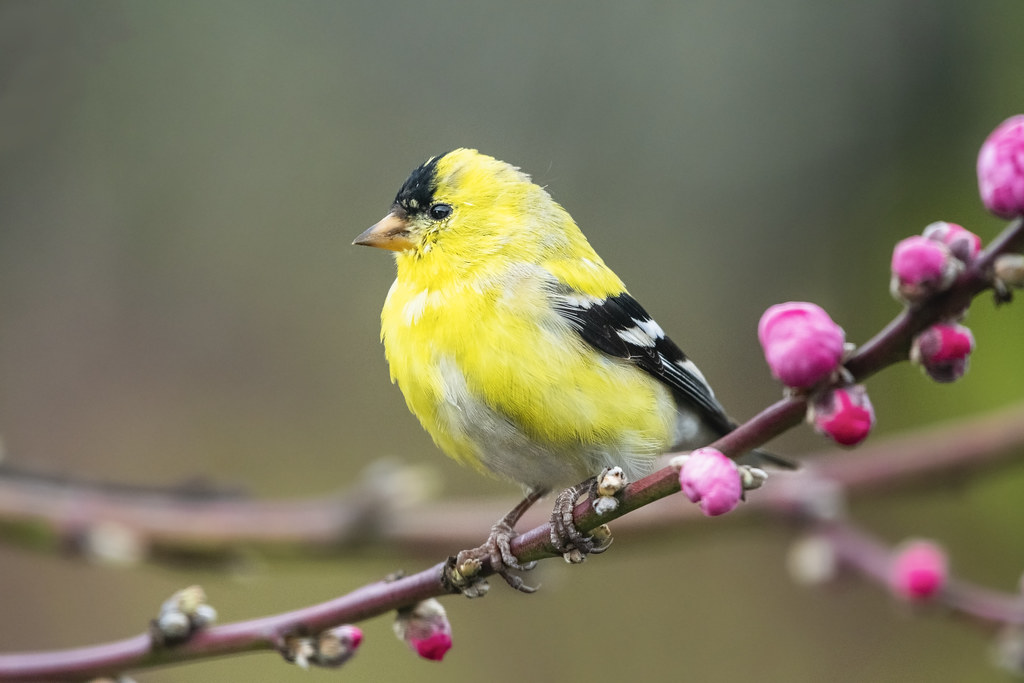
390, 232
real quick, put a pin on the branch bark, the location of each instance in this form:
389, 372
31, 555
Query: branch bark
792, 498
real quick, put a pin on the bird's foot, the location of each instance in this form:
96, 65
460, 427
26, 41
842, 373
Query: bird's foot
566, 538
462, 571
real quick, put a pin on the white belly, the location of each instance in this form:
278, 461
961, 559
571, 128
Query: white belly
504, 449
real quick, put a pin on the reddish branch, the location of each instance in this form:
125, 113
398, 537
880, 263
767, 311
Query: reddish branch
902, 461
864, 553
164, 522
853, 470
176, 524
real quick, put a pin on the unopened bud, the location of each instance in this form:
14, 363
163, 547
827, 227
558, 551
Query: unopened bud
752, 477
336, 646
1009, 268
299, 650
843, 414
962, 243
574, 556
188, 599
425, 628
801, 343
922, 267
919, 570
612, 480
173, 626
183, 614
812, 560
1001, 169
711, 480
943, 350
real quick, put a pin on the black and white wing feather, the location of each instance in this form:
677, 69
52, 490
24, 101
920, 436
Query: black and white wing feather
620, 327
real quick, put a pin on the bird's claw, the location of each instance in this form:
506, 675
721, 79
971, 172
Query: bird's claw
461, 572
566, 538
500, 545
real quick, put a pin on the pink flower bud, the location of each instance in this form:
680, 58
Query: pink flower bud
433, 647
921, 267
844, 414
1001, 169
801, 343
712, 480
336, 646
943, 351
963, 243
919, 570
352, 634
425, 628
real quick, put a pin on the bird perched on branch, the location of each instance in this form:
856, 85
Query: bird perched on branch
519, 350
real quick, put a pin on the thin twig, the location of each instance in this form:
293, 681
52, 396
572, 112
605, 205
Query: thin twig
887, 347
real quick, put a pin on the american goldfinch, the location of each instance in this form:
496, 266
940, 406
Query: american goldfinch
519, 350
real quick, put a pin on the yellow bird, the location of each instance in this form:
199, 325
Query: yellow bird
519, 350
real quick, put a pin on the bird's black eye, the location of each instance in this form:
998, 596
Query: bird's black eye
439, 211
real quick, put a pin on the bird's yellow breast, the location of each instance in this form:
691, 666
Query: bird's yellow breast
501, 382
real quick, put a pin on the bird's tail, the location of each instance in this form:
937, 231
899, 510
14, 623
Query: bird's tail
759, 458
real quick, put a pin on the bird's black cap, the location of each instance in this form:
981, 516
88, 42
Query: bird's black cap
417, 192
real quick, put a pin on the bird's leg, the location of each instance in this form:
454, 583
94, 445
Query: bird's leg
497, 549
503, 531
565, 537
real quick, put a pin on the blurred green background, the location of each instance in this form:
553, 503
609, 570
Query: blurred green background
179, 185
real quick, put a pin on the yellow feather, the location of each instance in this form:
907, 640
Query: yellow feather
492, 371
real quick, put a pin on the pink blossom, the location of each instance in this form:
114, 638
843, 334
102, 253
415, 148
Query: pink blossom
844, 414
943, 350
433, 647
425, 628
801, 343
711, 479
1001, 169
963, 243
919, 570
333, 647
354, 635
921, 267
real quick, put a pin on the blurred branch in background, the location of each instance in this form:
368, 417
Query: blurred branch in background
386, 504
182, 523
126, 525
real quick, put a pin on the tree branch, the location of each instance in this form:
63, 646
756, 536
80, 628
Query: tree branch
889, 346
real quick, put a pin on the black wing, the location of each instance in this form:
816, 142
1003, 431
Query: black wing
620, 327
